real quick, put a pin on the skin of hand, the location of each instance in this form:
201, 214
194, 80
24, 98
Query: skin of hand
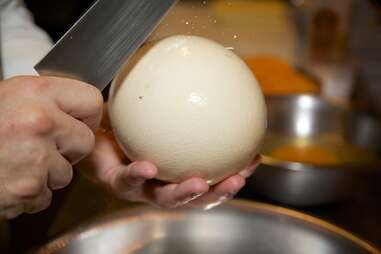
47, 125
135, 181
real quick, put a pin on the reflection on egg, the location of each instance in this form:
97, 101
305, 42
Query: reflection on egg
191, 107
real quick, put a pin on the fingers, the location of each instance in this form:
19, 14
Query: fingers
25, 187
221, 192
227, 189
10, 205
127, 182
73, 138
135, 182
173, 195
133, 176
80, 100
106, 157
32, 193
39, 203
249, 170
48, 123
107, 165
12, 212
15, 202
60, 172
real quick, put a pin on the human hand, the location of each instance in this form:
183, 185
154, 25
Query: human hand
47, 124
108, 166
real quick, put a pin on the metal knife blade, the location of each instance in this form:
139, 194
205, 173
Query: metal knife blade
98, 44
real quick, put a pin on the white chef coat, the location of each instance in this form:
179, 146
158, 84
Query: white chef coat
23, 43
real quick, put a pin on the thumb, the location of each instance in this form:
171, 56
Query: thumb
132, 176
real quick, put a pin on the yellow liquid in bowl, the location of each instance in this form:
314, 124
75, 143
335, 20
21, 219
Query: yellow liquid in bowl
322, 150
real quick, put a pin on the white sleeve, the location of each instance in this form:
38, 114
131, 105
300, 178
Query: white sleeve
23, 43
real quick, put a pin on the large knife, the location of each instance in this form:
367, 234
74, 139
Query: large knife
98, 44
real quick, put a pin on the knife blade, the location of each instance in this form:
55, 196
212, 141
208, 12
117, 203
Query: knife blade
107, 34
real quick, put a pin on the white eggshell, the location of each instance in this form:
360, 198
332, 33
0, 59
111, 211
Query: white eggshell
191, 107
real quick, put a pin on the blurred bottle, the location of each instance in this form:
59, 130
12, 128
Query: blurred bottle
324, 45
329, 29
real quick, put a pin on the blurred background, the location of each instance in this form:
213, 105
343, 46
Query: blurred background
319, 65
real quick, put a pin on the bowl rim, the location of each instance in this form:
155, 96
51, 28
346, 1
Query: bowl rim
317, 98
135, 213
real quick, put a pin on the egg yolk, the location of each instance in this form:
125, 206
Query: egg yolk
311, 154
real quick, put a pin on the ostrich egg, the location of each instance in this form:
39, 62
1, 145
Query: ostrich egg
191, 107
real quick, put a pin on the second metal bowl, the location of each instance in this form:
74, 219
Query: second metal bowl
353, 138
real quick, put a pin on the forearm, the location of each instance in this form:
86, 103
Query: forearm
23, 43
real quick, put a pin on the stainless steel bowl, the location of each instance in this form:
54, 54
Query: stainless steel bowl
237, 227
354, 138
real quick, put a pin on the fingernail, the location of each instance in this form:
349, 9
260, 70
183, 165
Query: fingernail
192, 197
230, 195
249, 171
246, 173
220, 201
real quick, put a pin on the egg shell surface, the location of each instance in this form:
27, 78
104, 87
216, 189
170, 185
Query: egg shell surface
191, 107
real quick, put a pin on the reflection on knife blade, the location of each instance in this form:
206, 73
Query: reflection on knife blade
96, 47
